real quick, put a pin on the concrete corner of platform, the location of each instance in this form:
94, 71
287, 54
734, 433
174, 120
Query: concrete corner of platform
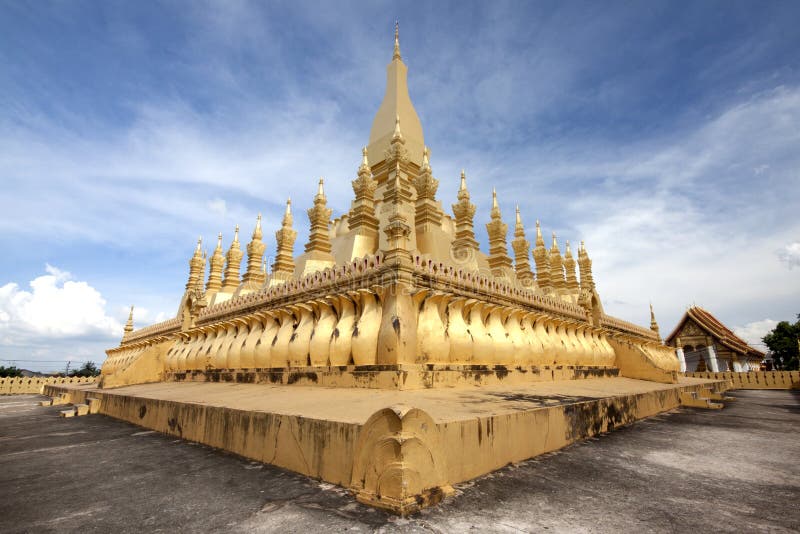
399, 462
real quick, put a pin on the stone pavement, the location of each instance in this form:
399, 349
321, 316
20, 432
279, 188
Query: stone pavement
733, 470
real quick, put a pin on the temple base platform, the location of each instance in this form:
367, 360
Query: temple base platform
396, 449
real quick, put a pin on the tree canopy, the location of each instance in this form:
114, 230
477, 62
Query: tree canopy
87, 369
10, 371
784, 345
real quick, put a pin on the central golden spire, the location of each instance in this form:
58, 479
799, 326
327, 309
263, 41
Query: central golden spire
397, 41
396, 103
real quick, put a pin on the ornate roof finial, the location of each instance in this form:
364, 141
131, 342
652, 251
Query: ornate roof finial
539, 237
197, 250
521, 248
129, 324
264, 264
499, 261
236, 234
398, 135
567, 251
425, 161
219, 241
283, 266
364, 159
257, 230
320, 189
287, 216
653, 323
495, 213
397, 41
463, 186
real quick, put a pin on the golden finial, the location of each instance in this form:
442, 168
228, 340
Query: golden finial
567, 250
425, 160
519, 217
129, 324
397, 41
495, 213
264, 264
320, 190
364, 160
236, 234
555, 243
257, 230
199, 245
398, 135
219, 241
287, 216
463, 186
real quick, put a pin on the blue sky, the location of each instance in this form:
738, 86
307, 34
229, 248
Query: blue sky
665, 134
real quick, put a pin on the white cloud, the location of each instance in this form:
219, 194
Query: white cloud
753, 332
56, 307
217, 206
790, 254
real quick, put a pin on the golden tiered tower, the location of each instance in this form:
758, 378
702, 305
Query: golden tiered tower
393, 294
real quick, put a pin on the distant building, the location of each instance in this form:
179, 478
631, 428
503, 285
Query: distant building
703, 343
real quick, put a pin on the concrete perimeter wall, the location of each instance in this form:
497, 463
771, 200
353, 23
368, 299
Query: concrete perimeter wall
23, 385
755, 379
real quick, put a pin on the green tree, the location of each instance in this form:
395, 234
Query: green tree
784, 345
88, 369
10, 371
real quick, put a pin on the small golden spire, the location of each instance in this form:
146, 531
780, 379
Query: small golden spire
495, 213
463, 186
397, 41
425, 161
236, 234
519, 217
653, 323
129, 324
257, 230
320, 190
264, 264
287, 216
398, 135
539, 238
197, 251
219, 241
364, 160
567, 251
555, 243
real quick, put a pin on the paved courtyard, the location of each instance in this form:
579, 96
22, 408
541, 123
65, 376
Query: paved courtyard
734, 470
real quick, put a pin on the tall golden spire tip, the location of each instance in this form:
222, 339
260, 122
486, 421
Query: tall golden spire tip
397, 41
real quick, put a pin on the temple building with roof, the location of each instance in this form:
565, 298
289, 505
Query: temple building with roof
704, 343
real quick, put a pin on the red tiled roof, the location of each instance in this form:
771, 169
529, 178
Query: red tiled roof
716, 329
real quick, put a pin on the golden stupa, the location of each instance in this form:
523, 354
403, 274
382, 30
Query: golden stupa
396, 295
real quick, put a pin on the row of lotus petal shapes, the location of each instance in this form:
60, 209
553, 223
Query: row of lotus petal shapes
343, 329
